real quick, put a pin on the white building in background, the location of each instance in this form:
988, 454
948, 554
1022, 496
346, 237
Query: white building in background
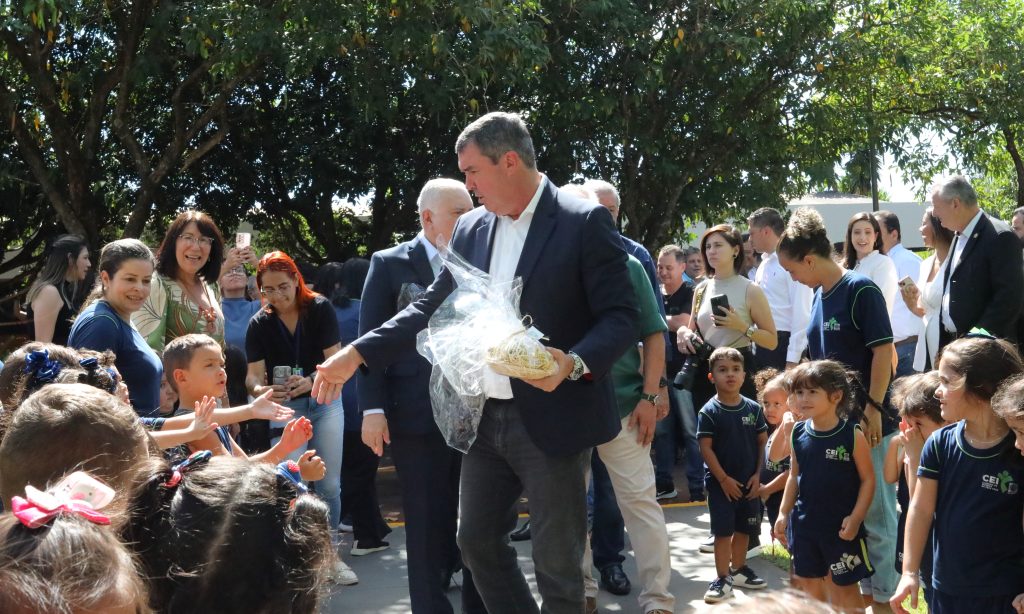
836, 208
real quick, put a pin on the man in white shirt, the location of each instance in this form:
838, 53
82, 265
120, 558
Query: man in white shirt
790, 301
534, 436
905, 325
984, 283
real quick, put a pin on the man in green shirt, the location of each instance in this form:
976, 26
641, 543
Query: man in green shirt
637, 377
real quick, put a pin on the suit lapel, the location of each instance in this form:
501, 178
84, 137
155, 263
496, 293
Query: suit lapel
420, 263
543, 224
980, 232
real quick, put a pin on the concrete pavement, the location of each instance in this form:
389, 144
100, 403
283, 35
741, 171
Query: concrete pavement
382, 576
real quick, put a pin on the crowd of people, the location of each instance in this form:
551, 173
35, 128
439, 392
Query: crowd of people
196, 432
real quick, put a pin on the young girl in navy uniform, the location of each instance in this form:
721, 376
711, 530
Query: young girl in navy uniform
921, 415
829, 490
1008, 403
772, 394
970, 482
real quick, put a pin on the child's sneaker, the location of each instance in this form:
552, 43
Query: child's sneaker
707, 546
746, 578
719, 590
342, 574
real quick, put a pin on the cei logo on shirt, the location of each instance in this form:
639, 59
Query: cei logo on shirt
1003, 483
831, 326
749, 420
839, 454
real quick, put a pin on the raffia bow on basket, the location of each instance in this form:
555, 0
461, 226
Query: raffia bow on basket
522, 355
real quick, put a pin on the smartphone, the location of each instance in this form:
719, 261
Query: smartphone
717, 303
281, 374
243, 240
907, 282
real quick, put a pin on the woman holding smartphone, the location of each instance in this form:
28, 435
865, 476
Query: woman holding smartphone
924, 299
296, 330
731, 311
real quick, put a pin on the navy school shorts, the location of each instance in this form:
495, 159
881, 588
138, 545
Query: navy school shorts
728, 517
816, 556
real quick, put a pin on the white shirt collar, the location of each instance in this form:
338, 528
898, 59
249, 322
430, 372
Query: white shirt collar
969, 230
531, 207
427, 245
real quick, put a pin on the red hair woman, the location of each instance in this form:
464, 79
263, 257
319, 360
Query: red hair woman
296, 330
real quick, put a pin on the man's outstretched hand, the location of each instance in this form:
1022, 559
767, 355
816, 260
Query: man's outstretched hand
333, 373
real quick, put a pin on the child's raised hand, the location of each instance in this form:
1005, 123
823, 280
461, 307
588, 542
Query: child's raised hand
788, 420
265, 409
754, 486
202, 419
779, 530
732, 488
1018, 603
913, 442
296, 433
848, 530
311, 466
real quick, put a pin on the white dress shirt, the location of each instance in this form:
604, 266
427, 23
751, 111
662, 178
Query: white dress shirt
931, 301
954, 260
904, 323
509, 238
789, 300
881, 270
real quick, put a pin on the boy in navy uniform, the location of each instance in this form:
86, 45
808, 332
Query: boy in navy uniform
732, 434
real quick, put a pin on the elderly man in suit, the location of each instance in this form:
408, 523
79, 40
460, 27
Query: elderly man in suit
396, 406
984, 283
535, 437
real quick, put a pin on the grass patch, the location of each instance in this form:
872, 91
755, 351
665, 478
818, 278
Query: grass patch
778, 556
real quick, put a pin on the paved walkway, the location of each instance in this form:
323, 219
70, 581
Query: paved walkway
382, 576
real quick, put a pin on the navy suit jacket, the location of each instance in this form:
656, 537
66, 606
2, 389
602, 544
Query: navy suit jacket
987, 287
578, 292
401, 389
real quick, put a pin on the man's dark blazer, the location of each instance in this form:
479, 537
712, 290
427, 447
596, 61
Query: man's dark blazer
578, 292
400, 389
986, 289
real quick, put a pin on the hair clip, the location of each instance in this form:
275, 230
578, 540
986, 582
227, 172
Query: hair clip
290, 471
91, 365
79, 493
180, 469
42, 369
979, 333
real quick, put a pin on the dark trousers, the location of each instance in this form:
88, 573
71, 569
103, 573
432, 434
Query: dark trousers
608, 533
773, 358
428, 474
503, 464
359, 490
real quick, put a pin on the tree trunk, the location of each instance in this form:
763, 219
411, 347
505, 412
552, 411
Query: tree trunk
1018, 164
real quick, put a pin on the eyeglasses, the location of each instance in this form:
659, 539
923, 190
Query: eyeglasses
282, 290
192, 240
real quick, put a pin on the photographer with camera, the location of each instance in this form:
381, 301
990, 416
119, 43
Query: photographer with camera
731, 311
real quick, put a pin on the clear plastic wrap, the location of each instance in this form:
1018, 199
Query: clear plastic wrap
476, 329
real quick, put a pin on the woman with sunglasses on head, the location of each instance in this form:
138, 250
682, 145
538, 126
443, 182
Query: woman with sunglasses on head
58, 292
185, 298
295, 331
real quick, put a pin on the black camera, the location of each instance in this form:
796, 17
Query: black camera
688, 373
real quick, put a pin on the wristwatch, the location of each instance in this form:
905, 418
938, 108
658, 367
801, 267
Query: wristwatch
749, 333
651, 398
577, 366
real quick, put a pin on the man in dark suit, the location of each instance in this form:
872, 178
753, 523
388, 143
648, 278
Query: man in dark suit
396, 406
984, 282
535, 436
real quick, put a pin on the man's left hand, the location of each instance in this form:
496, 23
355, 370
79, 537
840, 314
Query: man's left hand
643, 419
549, 383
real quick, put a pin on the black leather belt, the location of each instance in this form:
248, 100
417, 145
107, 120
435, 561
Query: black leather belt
906, 341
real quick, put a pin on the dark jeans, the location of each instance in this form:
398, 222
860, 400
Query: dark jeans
679, 427
775, 358
905, 365
608, 533
359, 491
503, 464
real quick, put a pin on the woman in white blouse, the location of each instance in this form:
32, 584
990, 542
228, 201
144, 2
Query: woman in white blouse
925, 299
862, 253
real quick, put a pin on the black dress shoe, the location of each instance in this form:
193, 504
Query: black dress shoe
522, 533
614, 580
